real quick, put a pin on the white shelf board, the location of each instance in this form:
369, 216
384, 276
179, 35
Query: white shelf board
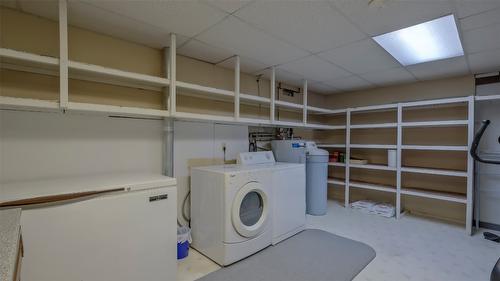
434, 102
436, 147
373, 167
289, 105
84, 69
254, 99
435, 195
372, 186
116, 110
374, 126
443, 123
325, 127
487, 97
204, 117
381, 107
288, 123
336, 181
27, 104
374, 146
203, 89
324, 111
28, 59
325, 145
254, 121
336, 164
434, 171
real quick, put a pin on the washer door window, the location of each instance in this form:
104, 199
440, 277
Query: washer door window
250, 210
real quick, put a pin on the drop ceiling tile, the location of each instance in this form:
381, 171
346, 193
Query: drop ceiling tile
228, 6
183, 17
361, 57
481, 20
439, 69
247, 65
467, 8
314, 68
245, 40
376, 17
482, 39
485, 61
389, 77
202, 51
321, 88
289, 78
350, 83
310, 25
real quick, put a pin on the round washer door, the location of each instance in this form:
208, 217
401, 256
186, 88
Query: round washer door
250, 210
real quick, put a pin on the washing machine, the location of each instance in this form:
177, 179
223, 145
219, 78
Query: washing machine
231, 211
289, 192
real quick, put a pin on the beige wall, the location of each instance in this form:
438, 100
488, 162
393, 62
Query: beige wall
25, 32
443, 88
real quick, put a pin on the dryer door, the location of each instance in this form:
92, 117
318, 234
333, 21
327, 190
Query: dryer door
250, 210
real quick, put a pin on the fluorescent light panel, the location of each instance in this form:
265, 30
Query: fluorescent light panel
429, 41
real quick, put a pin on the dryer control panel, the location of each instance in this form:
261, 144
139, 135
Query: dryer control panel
253, 158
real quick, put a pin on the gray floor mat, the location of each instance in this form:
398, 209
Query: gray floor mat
312, 255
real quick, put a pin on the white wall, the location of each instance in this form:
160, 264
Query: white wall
43, 145
487, 175
197, 143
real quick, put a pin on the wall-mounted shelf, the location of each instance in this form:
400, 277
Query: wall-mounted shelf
9, 56
371, 186
27, 104
374, 146
487, 97
336, 181
333, 145
289, 105
435, 195
336, 164
429, 171
374, 126
443, 123
203, 89
436, 147
373, 167
117, 110
100, 72
324, 111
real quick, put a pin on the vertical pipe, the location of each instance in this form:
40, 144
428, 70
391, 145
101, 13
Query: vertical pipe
173, 75
63, 54
347, 155
168, 123
304, 102
398, 161
470, 168
273, 95
237, 88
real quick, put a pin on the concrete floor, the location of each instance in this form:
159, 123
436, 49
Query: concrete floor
410, 248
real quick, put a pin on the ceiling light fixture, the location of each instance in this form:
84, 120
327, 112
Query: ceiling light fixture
429, 41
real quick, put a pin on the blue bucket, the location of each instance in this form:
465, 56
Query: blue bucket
182, 250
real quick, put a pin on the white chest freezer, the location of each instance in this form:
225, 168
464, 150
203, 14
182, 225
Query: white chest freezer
126, 234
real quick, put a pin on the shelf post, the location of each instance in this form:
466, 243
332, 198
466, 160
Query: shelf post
273, 95
470, 167
237, 88
304, 102
347, 155
173, 75
63, 54
399, 135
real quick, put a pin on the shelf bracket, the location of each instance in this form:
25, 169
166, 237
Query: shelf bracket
173, 75
304, 102
237, 88
273, 95
63, 54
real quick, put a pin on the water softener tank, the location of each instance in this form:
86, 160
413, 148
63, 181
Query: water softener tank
316, 179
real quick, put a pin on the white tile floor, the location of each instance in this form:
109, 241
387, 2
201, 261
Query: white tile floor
410, 248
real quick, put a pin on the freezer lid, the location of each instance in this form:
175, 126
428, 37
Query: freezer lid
92, 184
